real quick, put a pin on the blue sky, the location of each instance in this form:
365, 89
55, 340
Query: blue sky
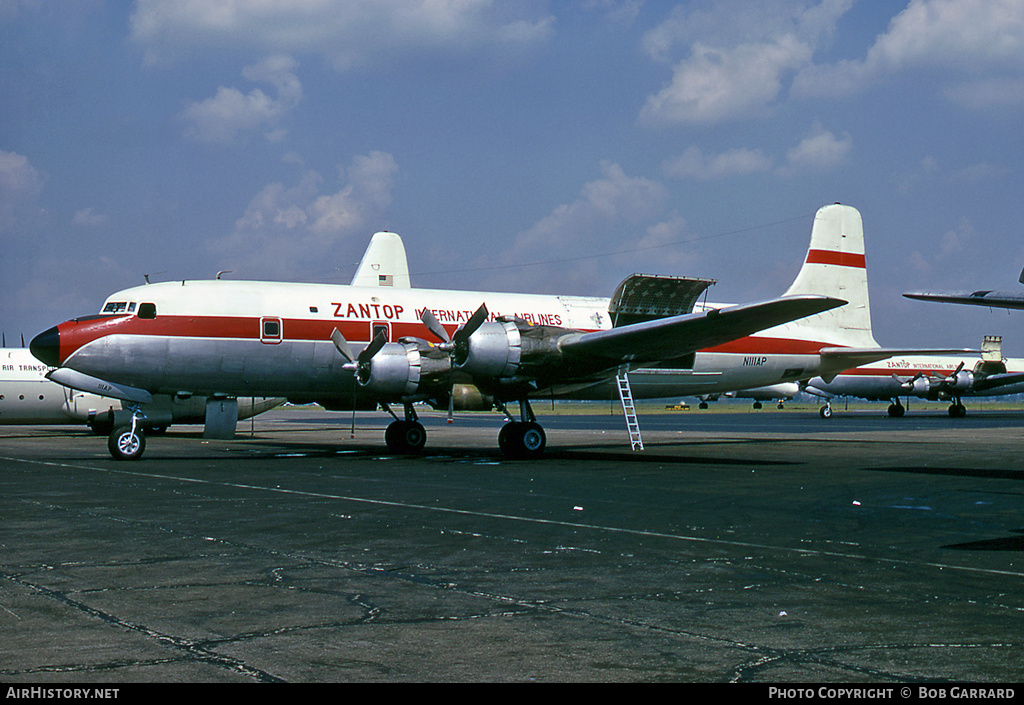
550, 147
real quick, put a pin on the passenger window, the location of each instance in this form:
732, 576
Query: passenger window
147, 310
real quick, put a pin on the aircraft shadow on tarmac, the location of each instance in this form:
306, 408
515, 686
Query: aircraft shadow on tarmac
275, 450
1008, 543
982, 473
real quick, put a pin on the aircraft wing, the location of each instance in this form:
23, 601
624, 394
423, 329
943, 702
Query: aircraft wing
993, 299
983, 384
675, 336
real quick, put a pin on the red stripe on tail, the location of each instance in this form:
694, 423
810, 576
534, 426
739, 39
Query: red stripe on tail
843, 259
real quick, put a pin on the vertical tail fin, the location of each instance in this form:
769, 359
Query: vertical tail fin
835, 266
383, 263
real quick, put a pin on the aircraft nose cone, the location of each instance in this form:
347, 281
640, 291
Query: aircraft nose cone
46, 347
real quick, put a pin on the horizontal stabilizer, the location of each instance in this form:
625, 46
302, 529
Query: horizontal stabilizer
855, 357
676, 336
994, 299
836, 360
85, 383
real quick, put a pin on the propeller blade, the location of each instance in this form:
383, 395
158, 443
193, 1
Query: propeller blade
373, 348
478, 318
342, 345
434, 326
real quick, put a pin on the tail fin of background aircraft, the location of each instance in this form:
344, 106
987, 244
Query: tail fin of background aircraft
383, 263
835, 266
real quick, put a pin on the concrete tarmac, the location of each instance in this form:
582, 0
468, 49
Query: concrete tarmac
768, 547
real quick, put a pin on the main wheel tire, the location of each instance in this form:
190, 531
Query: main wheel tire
532, 440
507, 438
522, 440
404, 437
414, 436
126, 444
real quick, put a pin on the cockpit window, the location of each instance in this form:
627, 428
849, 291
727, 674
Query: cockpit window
147, 310
115, 307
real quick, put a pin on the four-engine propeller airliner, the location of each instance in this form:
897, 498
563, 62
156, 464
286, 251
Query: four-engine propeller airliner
934, 378
348, 347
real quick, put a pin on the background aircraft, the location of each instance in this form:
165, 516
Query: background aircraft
992, 299
27, 397
779, 393
935, 378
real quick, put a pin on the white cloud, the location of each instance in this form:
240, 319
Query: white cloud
954, 244
609, 201
231, 113
20, 188
346, 32
285, 231
610, 215
87, 217
819, 151
739, 58
714, 84
693, 164
970, 39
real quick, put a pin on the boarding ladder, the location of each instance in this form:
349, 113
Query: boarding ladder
629, 410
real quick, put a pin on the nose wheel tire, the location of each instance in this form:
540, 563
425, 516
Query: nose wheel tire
125, 443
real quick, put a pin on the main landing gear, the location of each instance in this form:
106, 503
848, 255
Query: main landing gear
405, 436
519, 440
523, 439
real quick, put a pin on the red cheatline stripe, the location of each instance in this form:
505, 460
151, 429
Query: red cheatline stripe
843, 259
74, 335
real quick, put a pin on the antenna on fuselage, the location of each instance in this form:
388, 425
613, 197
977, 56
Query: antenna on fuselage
224, 271
146, 276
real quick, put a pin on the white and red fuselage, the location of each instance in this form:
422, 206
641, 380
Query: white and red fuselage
274, 339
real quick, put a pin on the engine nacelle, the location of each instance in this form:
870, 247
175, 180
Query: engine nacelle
962, 381
920, 387
399, 370
494, 350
